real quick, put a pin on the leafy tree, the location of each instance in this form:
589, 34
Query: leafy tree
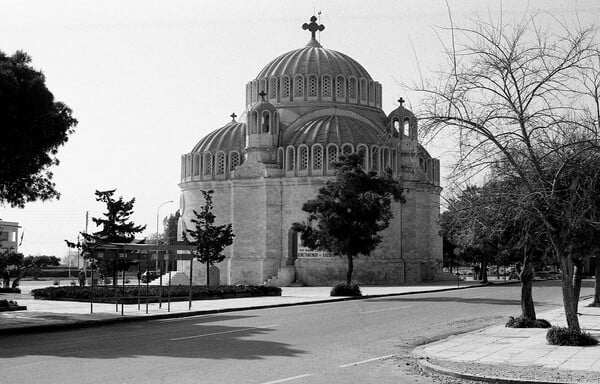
350, 211
115, 227
513, 94
170, 229
34, 126
24, 265
210, 239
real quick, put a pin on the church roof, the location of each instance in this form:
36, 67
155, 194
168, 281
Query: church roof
314, 59
230, 137
332, 129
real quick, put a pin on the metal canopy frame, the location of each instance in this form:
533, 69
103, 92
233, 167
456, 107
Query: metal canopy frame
139, 252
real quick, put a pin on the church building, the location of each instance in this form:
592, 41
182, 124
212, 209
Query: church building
303, 110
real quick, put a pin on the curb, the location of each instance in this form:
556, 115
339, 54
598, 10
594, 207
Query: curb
76, 324
429, 367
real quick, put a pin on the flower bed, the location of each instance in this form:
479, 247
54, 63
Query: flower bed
130, 294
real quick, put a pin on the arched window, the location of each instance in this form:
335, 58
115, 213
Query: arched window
317, 157
406, 127
289, 159
371, 92
352, 88
332, 155
254, 91
262, 85
340, 88
375, 158
312, 86
208, 164
347, 149
326, 86
196, 165
273, 88
421, 163
220, 163
285, 87
363, 152
386, 158
302, 158
394, 161
280, 157
266, 127
396, 125
299, 86
363, 90
234, 160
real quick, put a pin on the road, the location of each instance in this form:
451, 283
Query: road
366, 341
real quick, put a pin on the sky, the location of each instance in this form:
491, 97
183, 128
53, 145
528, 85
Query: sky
148, 79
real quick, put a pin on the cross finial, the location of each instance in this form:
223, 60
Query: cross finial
233, 116
313, 27
262, 95
401, 101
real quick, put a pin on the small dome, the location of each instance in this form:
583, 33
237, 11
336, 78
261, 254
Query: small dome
231, 137
332, 129
314, 60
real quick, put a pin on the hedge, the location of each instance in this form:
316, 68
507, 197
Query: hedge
130, 293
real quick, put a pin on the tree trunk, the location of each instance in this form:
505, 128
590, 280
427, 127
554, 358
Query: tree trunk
526, 276
484, 277
577, 275
568, 292
207, 274
350, 269
596, 302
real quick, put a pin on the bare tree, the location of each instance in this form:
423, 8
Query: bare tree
512, 94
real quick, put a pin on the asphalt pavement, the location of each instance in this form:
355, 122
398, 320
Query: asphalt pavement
495, 353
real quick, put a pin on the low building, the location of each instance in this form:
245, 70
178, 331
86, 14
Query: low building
9, 236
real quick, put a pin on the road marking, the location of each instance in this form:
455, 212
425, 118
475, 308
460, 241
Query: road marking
184, 318
366, 361
383, 310
222, 333
288, 379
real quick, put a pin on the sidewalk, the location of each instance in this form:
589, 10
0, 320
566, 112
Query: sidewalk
49, 315
508, 355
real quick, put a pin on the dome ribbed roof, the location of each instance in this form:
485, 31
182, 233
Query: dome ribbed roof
314, 60
332, 129
227, 138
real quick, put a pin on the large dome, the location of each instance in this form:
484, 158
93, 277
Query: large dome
230, 137
314, 59
332, 129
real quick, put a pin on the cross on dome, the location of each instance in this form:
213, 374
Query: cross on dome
233, 116
262, 95
401, 101
313, 27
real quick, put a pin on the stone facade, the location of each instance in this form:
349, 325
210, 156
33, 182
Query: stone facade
301, 115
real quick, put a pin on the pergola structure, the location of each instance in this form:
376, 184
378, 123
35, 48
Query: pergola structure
141, 252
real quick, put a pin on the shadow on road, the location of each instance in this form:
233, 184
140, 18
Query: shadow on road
194, 338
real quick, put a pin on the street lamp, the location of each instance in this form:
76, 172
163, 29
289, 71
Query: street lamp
160, 272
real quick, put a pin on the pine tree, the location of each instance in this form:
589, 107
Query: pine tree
210, 239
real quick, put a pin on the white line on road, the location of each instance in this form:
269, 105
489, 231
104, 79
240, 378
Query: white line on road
383, 310
366, 361
222, 333
184, 318
287, 379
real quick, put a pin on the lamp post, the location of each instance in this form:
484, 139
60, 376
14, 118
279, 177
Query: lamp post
160, 272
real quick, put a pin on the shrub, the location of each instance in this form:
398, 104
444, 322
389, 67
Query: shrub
565, 336
7, 303
523, 322
343, 289
56, 282
10, 290
131, 292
